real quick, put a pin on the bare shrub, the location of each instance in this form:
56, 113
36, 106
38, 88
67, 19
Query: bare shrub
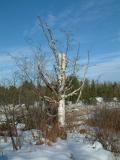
46, 121
107, 119
71, 119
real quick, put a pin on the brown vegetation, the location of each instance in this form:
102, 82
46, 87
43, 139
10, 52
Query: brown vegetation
107, 120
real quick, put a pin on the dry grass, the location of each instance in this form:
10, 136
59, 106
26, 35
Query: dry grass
71, 119
108, 122
83, 131
48, 125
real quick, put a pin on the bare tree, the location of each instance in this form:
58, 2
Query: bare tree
57, 81
62, 89
10, 113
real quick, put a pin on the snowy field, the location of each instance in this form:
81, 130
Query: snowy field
76, 147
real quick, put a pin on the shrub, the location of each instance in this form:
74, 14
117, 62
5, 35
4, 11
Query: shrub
107, 119
39, 119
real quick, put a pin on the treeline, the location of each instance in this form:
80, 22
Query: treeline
23, 94
107, 90
92, 89
28, 93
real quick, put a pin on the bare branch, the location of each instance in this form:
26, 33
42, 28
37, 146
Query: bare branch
76, 59
81, 87
47, 83
83, 82
47, 31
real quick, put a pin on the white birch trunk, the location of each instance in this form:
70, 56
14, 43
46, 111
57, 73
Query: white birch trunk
61, 112
61, 77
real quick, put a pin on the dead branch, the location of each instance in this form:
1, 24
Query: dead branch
47, 31
83, 82
47, 83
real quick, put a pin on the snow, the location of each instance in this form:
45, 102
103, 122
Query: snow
74, 148
99, 99
2, 118
20, 127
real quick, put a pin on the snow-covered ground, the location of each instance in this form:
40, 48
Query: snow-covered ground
76, 147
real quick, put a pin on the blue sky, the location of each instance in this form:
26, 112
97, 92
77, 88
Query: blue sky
96, 24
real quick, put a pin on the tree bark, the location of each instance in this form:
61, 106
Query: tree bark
61, 112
